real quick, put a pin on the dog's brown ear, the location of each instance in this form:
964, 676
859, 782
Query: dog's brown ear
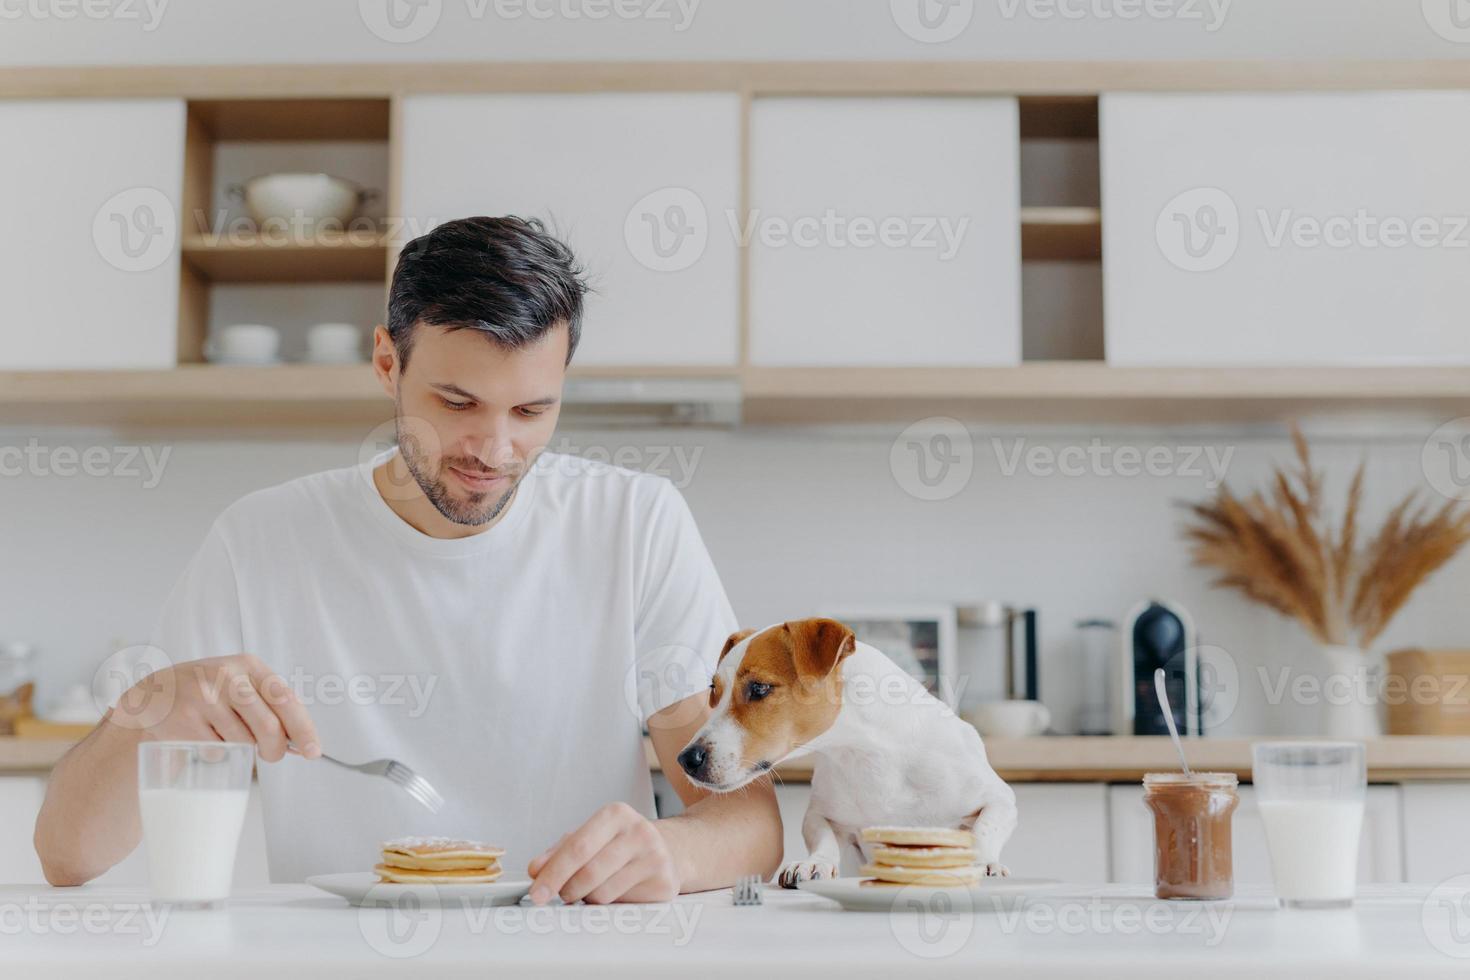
819, 645
735, 638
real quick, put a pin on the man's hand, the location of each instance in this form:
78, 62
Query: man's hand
617, 856
234, 699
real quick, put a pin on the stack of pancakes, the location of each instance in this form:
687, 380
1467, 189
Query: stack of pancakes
920, 856
438, 860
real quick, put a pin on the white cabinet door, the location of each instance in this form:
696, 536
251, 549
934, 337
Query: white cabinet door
884, 231
1380, 850
89, 262
1061, 832
1436, 844
640, 185
1276, 228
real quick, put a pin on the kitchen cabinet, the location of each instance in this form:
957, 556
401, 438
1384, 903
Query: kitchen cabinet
89, 265
643, 186
1061, 832
1436, 845
884, 231
1286, 228
1380, 858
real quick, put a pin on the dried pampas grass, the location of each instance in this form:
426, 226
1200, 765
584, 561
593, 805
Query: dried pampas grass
1278, 548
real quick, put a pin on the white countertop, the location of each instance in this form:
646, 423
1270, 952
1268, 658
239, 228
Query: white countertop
1094, 932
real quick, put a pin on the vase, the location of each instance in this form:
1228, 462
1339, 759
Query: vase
1349, 694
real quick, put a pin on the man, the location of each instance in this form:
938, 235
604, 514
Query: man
502, 620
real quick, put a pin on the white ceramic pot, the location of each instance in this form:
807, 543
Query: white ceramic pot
300, 197
1349, 694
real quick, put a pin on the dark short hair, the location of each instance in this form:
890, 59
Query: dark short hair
505, 277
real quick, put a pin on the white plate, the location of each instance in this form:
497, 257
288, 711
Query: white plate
363, 888
988, 895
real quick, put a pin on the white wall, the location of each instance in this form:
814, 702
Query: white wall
795, 519
37, 32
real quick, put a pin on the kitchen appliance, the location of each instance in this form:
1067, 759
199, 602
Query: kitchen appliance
1157, 634
1096, 642
17, 684
305, 198
1002, 660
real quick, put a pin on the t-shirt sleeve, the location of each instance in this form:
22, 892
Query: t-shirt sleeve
683, 614
201, 616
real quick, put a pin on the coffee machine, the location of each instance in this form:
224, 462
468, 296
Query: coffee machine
1157, 633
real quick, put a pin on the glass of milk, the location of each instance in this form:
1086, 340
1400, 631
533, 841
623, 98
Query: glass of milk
192, 797
1310, 796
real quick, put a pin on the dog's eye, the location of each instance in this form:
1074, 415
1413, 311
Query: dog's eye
755, 690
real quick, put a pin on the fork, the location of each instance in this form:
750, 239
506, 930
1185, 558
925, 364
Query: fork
747, 890
400, 775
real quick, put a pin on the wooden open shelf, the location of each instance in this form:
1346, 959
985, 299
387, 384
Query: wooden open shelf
1061, 234
298, 395
327, 258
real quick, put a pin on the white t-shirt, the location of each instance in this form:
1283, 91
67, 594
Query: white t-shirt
513, 669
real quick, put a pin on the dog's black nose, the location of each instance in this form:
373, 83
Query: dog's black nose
693, 758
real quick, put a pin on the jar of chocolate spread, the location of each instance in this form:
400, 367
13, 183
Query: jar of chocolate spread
1191, 833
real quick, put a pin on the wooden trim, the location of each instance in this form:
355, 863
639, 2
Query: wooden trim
195, 200
294, 119
328, 258
1032, 78
1051, 234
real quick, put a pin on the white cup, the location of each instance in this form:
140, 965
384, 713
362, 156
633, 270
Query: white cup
192, 798
244, 343
334, 343
1010, 719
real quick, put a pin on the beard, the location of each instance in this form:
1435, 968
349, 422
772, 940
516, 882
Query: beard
474, 510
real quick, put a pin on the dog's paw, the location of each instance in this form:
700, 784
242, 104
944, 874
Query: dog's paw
793, 873
994, 870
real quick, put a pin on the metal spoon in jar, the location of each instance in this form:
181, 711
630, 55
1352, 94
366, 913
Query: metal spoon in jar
1159, 688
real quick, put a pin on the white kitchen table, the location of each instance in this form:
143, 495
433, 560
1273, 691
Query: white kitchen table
1107, 931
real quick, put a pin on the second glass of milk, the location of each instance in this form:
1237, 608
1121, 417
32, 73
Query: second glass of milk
192, 798
1310, 796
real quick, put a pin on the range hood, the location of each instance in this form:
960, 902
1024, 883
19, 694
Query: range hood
625, 401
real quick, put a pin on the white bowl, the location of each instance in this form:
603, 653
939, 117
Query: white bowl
305, 197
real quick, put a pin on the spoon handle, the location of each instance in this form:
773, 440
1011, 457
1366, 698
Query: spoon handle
1162, 692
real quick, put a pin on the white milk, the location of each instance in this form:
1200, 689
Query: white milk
191, 836
1314, 847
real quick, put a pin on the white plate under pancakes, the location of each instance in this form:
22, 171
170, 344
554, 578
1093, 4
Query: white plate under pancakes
986, 895
362, 888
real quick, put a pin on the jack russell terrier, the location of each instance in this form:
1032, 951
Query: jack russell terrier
887, 751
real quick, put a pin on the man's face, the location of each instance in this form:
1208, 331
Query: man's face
472, 417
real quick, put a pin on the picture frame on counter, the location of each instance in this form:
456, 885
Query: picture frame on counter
920, 638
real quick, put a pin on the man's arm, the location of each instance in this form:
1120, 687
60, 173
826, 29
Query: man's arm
619, 855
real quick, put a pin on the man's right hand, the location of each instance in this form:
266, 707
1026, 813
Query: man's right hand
234, 699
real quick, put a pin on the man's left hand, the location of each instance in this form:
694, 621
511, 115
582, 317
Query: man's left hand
618, 855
